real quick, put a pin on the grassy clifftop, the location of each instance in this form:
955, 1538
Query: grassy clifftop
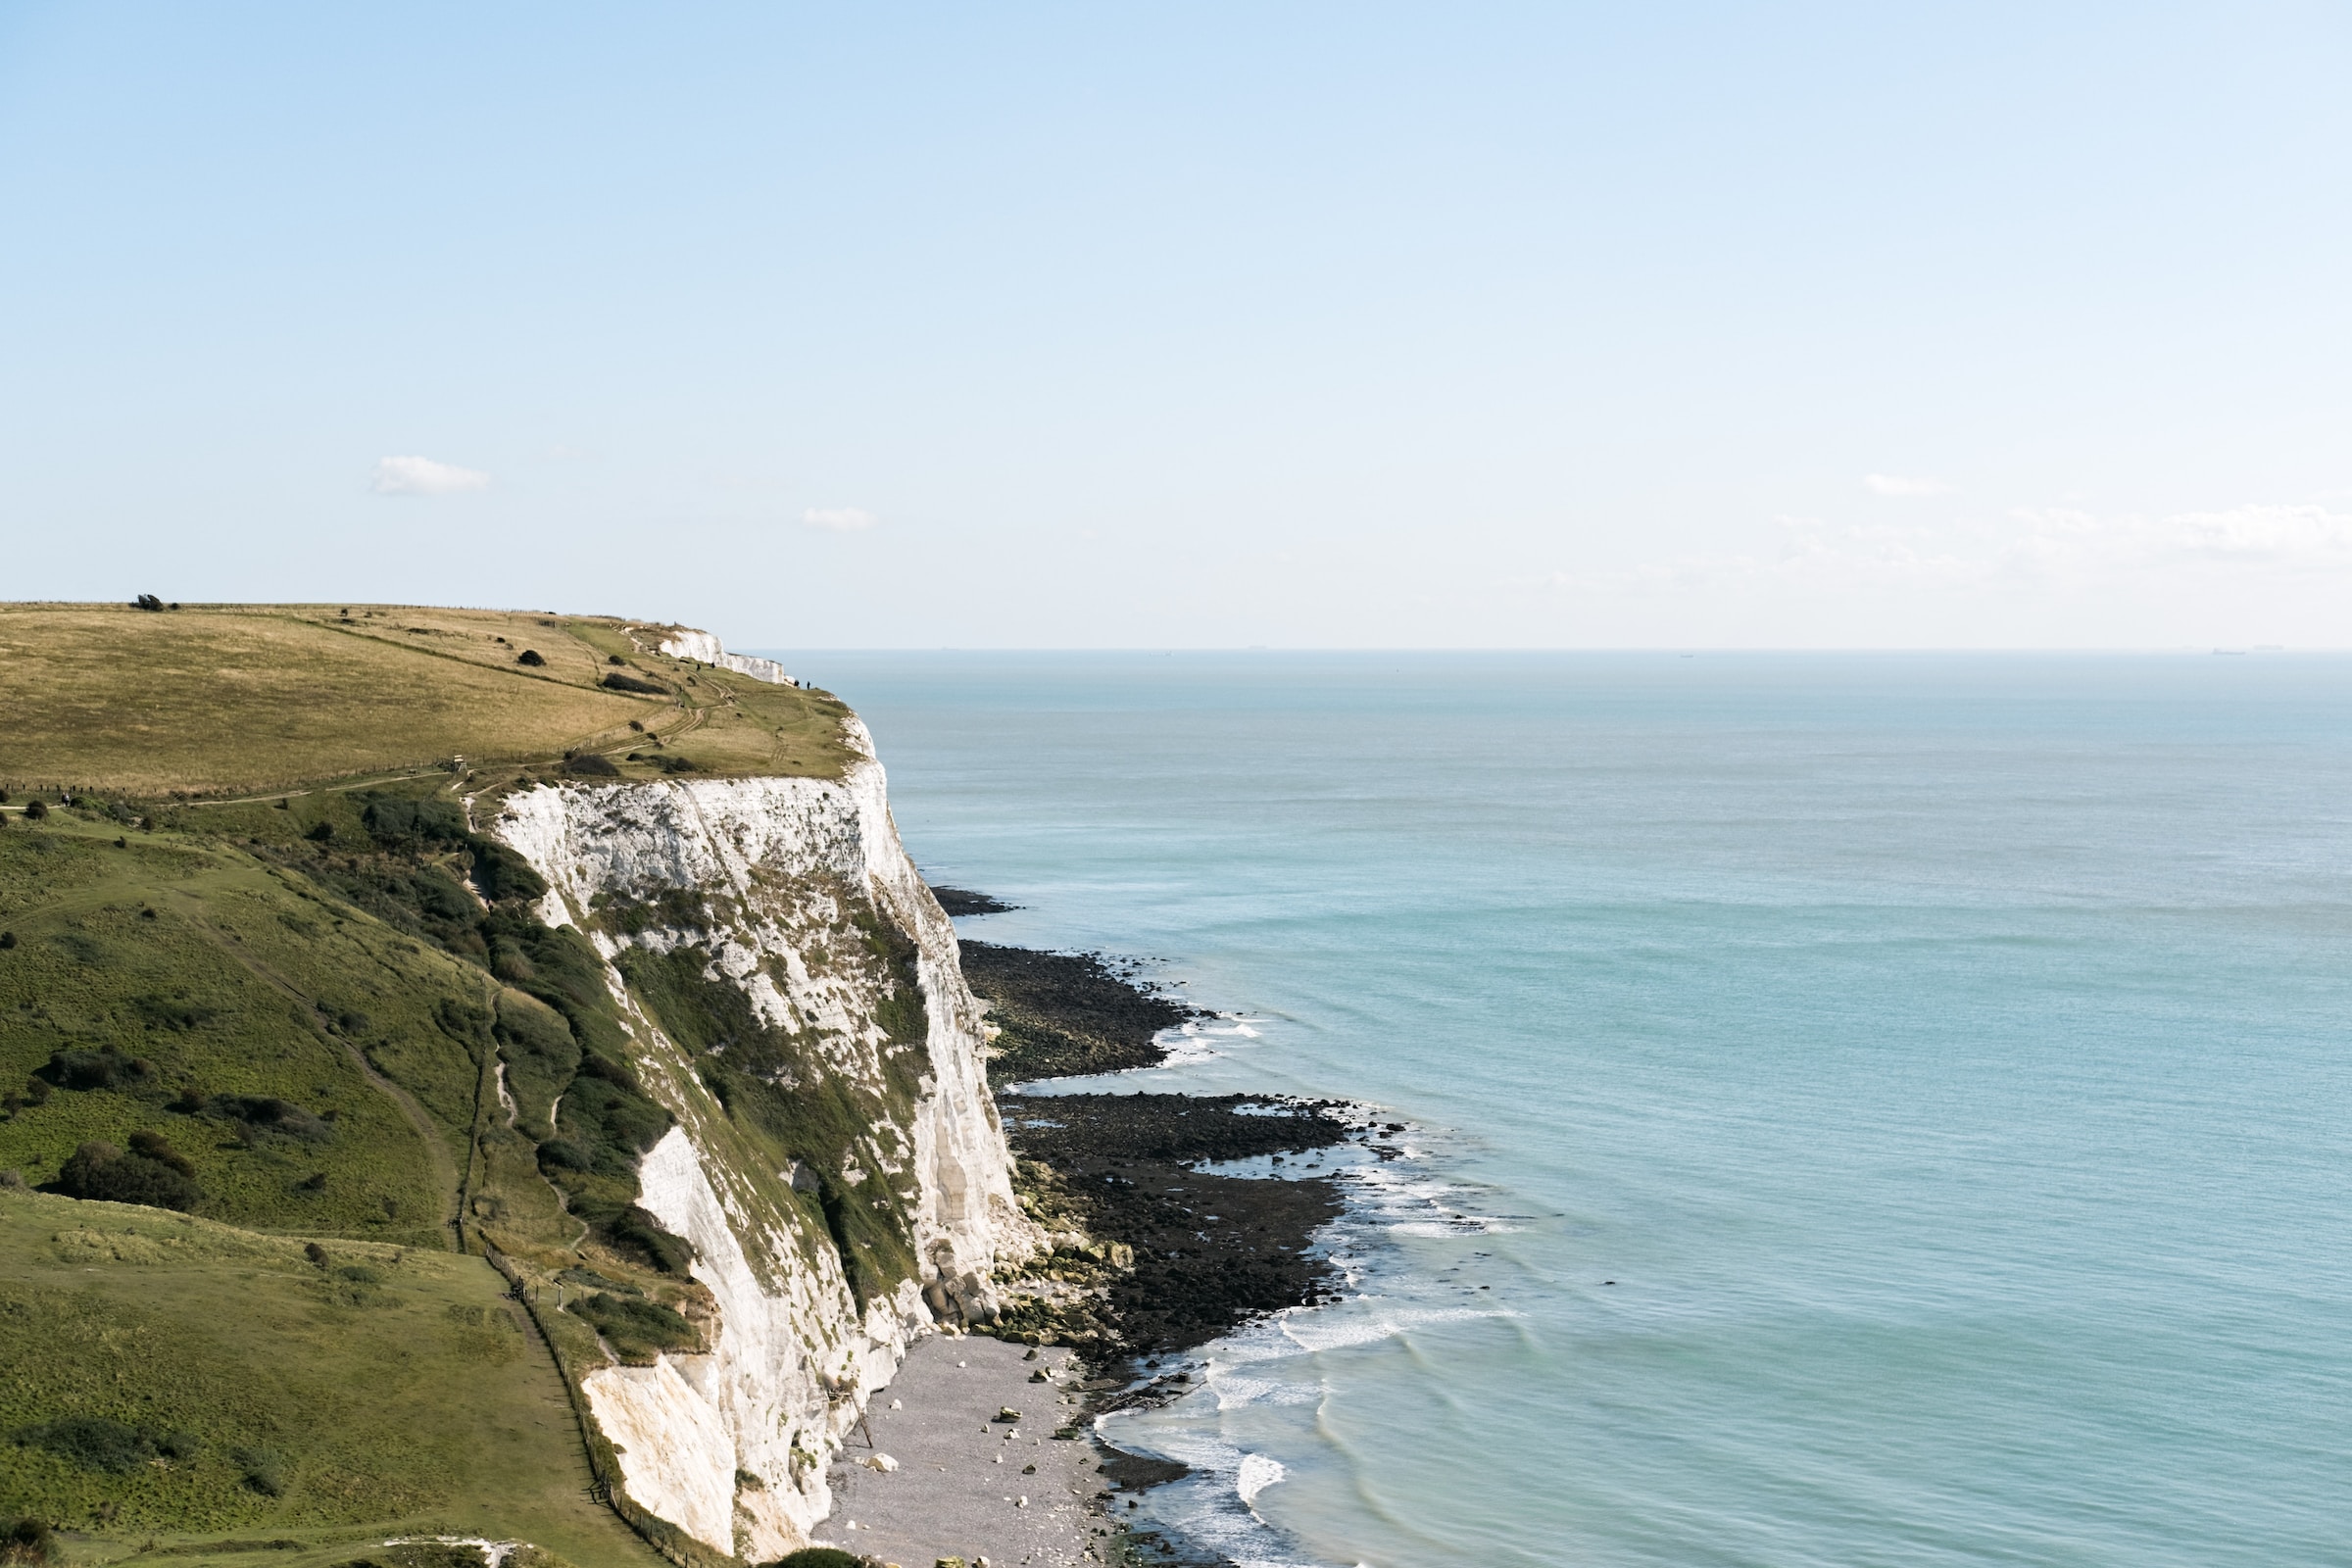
287, 1055
214, 700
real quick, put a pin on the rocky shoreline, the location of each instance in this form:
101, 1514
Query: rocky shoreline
1178, 1256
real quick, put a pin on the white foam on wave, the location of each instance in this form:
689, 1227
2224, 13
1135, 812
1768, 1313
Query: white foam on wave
1256, 1475
1408, 1199
1319, 1332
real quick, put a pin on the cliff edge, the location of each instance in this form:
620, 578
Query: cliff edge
513, 1011
797, 897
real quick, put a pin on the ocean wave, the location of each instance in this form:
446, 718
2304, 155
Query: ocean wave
1255, 1474
1333, 1329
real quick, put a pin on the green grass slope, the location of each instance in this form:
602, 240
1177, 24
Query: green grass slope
218, 700
287, 1061
166, 1381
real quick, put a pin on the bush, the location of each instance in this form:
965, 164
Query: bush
265, 1470
401, 819
173, 1013
158, 1148
261, 1117
76, 1067
637, 1330
147, 601
36, 810
102, 1173
531, 657
92, 1442
502, 874
818, 1558
677, 764
636, 1233
617, 681
25, 1540
591, 764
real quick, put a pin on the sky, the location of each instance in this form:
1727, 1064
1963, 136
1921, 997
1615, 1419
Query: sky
1467, 325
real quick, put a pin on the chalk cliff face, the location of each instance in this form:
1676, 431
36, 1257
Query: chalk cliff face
685, 643
796, 1004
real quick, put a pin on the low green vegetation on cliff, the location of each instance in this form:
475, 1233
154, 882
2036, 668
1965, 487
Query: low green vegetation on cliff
262, 978
214, 700
207, 1390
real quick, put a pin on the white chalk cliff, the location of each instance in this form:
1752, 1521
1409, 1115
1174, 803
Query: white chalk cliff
777, 887
686, 643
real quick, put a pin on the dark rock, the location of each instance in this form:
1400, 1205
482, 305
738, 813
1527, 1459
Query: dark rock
964, 901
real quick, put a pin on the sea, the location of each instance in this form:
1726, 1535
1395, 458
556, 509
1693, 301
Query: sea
1861, 1109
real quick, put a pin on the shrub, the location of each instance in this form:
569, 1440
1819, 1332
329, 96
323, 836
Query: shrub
8, 939
92, 1442
561, 1153
171, 1013
265, 1470
102, 1173
262, 1116
637, 1330
502, 874
25, 1540
614, 658
818, 1557
677, 764
399, 818
636, 1233
147, 601
106, 1067
35, 810
158, 1148
591, 764
529, 656
618, 682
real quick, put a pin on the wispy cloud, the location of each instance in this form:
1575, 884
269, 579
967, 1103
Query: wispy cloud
1895, 484
2054, 545
422, 476
841, 520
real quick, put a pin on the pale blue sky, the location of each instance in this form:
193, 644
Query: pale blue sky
1202, 325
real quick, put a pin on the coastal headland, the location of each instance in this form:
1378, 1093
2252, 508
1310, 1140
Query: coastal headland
489, 1090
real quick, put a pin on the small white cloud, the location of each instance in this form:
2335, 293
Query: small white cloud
841, 520
422, 476
1895, 484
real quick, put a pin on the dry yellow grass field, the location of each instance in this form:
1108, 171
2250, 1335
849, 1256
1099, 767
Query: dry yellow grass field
220, 700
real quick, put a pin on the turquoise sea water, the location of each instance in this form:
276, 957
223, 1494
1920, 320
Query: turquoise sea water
1948, 1057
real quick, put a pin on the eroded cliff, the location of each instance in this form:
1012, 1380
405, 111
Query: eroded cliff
794, 1001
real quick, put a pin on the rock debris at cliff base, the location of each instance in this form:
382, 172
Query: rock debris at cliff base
1209, 1252
958, 1482
1066, 1014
